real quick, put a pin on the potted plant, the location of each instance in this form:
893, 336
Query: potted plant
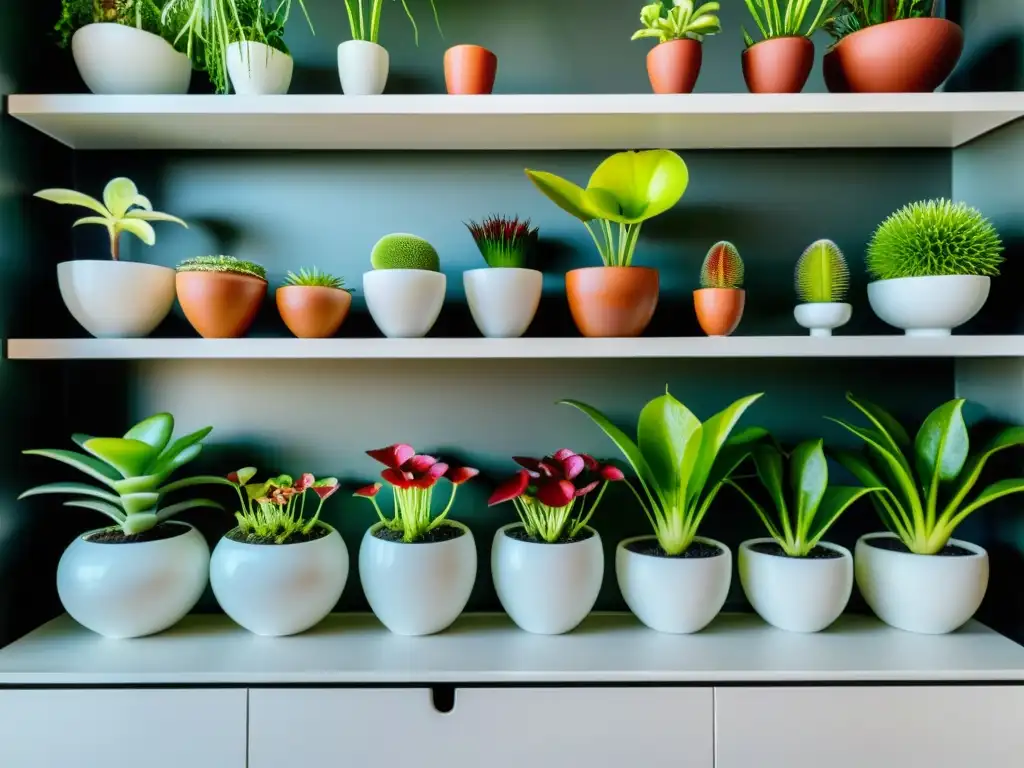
278, 572
674, 63
932, 264
720, 300
916, 577
548, 567
626, 190
676, 581
781, 62
258, 61
469, 70
822, 280
144, 573
114, 298
313, 304
405, 291
220, 295
503, 298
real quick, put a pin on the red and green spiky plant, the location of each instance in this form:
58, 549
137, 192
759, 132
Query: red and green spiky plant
722, 268
503, 241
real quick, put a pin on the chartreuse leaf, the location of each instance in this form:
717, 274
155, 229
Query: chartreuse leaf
836, 500
171, 457
141, 229
119, 195
154, 431
181, 506
714, 433
134, 503
809, 478
665, 437
189, 482
109, 510
941, 450
896, 438
890, 508
1010, 437
773, 531
82, 488
138, 484
632, 187
71, 197
87, 464
129, 457
768, 463
568, 196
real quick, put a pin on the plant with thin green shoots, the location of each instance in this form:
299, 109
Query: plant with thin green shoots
364, 21
849, 16
822, 276
223, 264
722, 267
314, 278
260, 23
75, 14
504, 241
274, 511
680, 22
925, 482
774, 23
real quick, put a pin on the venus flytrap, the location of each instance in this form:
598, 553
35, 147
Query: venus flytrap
274, 511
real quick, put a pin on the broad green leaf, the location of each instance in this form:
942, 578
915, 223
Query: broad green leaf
809, 478
87, 464
836, 500
707, 8
119, 195
108, 223
129, 457
80, 439
172, 454
155, 216
895, 437
664, 432
889, 505
181, 506
1008, 438
140, 523
245, 474
941, 446
82, 488
189, 482
987, 496
631, 187
143, 202
640, 35
650, 14
569, 197
141, 229
71, 197
714, 432
109, 510
768, 462
154, 431
135, 503
704, 25
138, 484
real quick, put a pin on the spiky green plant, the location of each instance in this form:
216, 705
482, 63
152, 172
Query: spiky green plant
722, 268
849, 16
935, 237
314, 278
773, 22
504, 241
681, 21
821, 274
223, 264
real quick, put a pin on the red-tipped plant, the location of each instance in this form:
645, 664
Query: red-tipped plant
722, 268
504, 242
274, 511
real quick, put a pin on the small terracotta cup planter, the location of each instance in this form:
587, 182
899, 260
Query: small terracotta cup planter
719, 304
313, 304
673, 66
779, 65
469, 70
220, 295
612, 301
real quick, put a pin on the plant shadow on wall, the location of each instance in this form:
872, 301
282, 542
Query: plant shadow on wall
997, 65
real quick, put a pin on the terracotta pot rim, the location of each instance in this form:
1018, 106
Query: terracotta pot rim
316, 287
220, 274
469, 45
587, 269
738, 290
780, 38
925, 20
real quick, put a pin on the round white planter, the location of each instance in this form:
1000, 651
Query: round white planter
417, 589
503, 300
929, 306
797, 594
131, 590
256, 69
672, 594
404, 303
821, 319
363, 68
116, 59
279, 589
116, 299
929, 594
547, 589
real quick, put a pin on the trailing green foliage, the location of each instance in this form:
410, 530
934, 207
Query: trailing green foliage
822, 276
849, 16
722, 267
504, 241
75, 14
365, 22
259, 24
773, 22
401, 251
223, 264
316, 279
273, 512
680, 22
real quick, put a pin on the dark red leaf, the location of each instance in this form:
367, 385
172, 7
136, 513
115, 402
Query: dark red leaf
572, 466
397, 478
328, 487
366, 492
436, 471
555, 493
527, 463
589, 462
394, 456
612, 473
587, 488
423, 481
512, 488
233, 478
419, 464
563, 454
460, 475
304, 482
550, 469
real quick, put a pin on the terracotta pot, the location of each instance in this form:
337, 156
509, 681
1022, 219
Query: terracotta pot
313, 311
612, 301
673, 66
469, 69
719, 309
220, 305
781, 65
907, 56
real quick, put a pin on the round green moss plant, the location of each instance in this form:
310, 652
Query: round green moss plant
935, 237
223, 264
400, 251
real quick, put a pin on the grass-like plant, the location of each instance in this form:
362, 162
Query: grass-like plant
274, 511
75, 14
681, 21
925, 482
364, 19
774, 22
722, 267
223, 264
258, 23
934, 237
822, 276
849, 16
314, 278
504, 241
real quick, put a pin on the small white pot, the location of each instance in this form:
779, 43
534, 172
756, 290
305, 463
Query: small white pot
117, 59
404, 303
821, 319
132, 590
503, 300
672, 594
279, 589
116, 299
417, 589
929, 594
798, 594
259, 70
363, 68
929, 306
547, 589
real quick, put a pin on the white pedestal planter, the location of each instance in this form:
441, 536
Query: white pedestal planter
503, 300
256, 69
417, 589
797, 594
821, 319
279, 589
363, 68
673, 594
116, 59
116, 299
929, 594
132, 590
404, 303
547, 589
929, 306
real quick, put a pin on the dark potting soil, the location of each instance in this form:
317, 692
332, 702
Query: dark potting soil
519, 534
652, 548
895, 545
439, 534
772, 548
157, 533
318, 532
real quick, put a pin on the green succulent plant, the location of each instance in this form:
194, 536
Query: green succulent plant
773, 22
722, 267
849, 16
401, 251
679, 22
314, 278
822, 276
223, 264
75, 14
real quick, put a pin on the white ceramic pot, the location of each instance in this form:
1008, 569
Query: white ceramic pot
404, 303
279, 589
821, 319
503, 300
929, 306
256, 69
929, 594
132, 590
363, 68
116, 299
117, 59
798, 594
417, 589
672, 594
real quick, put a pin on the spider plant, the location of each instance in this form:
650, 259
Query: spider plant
365, 21
774, 22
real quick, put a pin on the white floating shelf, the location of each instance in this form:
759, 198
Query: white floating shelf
518, 122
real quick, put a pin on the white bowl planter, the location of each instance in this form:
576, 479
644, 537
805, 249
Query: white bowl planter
256, 69
363, 68
822, 318
503, 300
279, 589
417, 589
798, 594
929, 594
404, 303
117, 59
547, 589
133, 589
929, 306
116, 299
674, 594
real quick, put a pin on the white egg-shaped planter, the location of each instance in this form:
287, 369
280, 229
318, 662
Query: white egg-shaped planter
363, 68
116, 299
420, 588
928, 594
279, 589
256, 69
929, 306
678, 595
798, 594
133, 589
547, 589
822, 318
115, 59
404, 303
503, 300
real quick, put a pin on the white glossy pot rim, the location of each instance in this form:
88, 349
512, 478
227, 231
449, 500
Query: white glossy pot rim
385, 543
930, 278
360, 44
810, 561
402, 272
976, 551
128, 30
510, 270
544, 544
83, 538
271, 546
118, 264
650, 537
